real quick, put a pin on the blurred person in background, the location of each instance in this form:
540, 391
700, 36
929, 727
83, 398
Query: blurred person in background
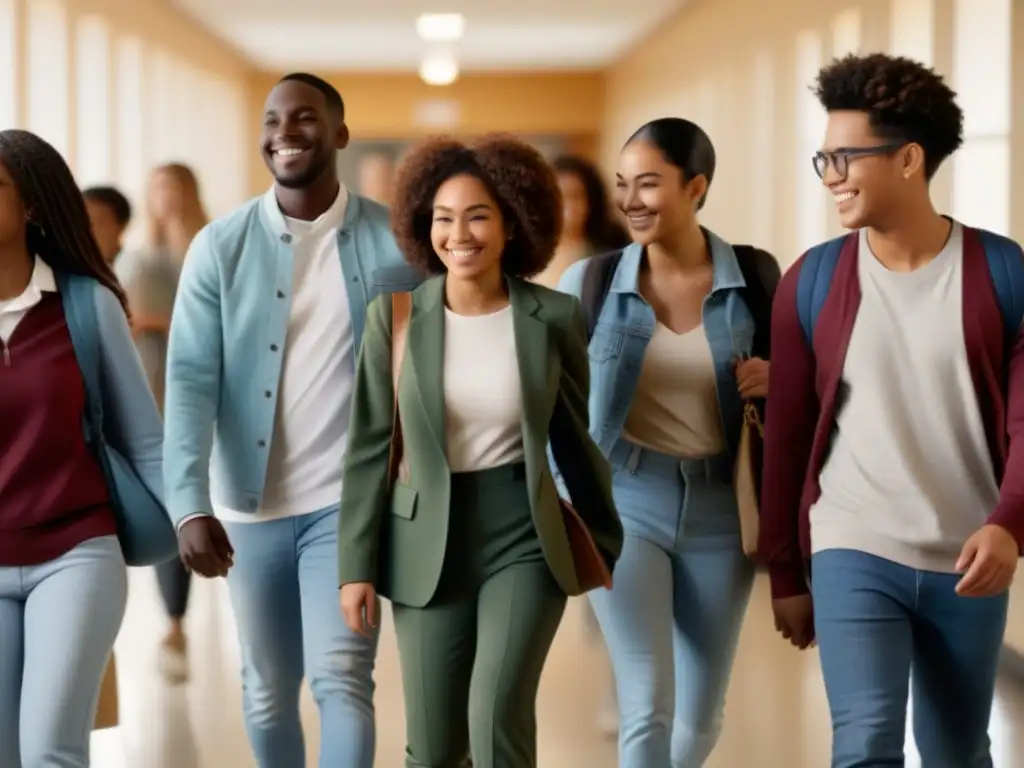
110, 214
268, 318
590, 224
150, 278
63, 578
679, 329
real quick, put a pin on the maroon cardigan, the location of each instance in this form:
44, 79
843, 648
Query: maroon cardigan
801, 414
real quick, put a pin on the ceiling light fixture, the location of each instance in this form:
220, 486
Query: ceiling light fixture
439, 69
441, 27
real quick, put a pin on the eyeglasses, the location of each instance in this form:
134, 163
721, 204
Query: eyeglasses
840, 159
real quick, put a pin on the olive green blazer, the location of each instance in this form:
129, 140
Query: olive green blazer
396, 538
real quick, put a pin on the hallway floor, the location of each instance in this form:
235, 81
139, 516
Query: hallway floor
200, 725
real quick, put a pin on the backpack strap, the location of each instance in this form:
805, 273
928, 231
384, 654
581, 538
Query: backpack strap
1006, 265
819, 264
597, 282
78, 294
761, 274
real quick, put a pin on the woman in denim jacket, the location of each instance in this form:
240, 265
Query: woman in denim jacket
671, 366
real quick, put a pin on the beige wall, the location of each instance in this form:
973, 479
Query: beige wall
732, 66
394, 106
180, 115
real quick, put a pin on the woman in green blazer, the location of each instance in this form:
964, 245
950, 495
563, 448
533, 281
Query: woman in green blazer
470, 545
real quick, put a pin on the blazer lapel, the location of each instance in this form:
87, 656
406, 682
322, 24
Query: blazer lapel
426, 354
533, 355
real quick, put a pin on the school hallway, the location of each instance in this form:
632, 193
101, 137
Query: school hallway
776, 713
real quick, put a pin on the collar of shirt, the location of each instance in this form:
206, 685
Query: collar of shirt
42, 281
329, 219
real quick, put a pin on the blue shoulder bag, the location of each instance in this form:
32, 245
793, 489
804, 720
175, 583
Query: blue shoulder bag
144, 528
1005, 264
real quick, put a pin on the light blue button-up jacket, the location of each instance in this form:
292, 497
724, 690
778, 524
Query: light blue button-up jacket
227, 341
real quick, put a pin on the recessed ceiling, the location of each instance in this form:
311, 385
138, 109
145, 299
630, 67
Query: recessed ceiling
381, 35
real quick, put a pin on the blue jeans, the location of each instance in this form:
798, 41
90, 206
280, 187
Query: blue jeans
284, 591
673, 618
58, 622
879, 626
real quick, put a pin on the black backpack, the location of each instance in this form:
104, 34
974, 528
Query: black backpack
760, 272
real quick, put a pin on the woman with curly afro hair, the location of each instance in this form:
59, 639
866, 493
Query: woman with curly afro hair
895, 435
469, 543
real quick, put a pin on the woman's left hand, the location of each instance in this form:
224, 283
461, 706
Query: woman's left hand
752, 377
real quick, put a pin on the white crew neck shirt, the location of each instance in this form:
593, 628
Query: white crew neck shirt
482, 391
909, 477
307, 448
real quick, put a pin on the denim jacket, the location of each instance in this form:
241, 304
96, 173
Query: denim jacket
226, 342
626, 323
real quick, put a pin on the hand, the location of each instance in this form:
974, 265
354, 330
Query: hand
204, 547
988, 562
359, 606
752, 377
794, 620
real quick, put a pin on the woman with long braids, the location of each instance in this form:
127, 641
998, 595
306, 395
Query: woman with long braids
150, 277
63, 580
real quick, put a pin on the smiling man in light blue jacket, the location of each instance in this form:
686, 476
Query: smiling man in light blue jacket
266, 325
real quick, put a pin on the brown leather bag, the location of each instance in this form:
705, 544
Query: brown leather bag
401, 311
592, 570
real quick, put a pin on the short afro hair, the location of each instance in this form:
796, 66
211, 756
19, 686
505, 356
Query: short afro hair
904, 99
521, 181
335, 104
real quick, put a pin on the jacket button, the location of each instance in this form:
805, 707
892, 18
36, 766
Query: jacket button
286, 238
267, 393
280, 294
262, 443
273, 347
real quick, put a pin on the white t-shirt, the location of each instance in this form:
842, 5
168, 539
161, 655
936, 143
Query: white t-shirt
482, 391
909, 477
307, 449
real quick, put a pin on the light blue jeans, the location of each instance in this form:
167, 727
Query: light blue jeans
885, 630
672, 620
58, 622
284, 591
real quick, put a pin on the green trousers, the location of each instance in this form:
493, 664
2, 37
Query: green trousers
472, 658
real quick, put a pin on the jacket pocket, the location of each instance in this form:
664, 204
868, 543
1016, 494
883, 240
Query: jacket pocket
605, 345
403, 501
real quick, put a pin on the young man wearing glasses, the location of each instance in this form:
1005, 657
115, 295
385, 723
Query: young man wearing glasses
893, 500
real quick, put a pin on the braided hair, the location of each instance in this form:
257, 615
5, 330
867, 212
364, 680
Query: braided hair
58, 230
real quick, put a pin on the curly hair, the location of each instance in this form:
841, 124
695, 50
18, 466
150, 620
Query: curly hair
904, 100
59, 230
517, 176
